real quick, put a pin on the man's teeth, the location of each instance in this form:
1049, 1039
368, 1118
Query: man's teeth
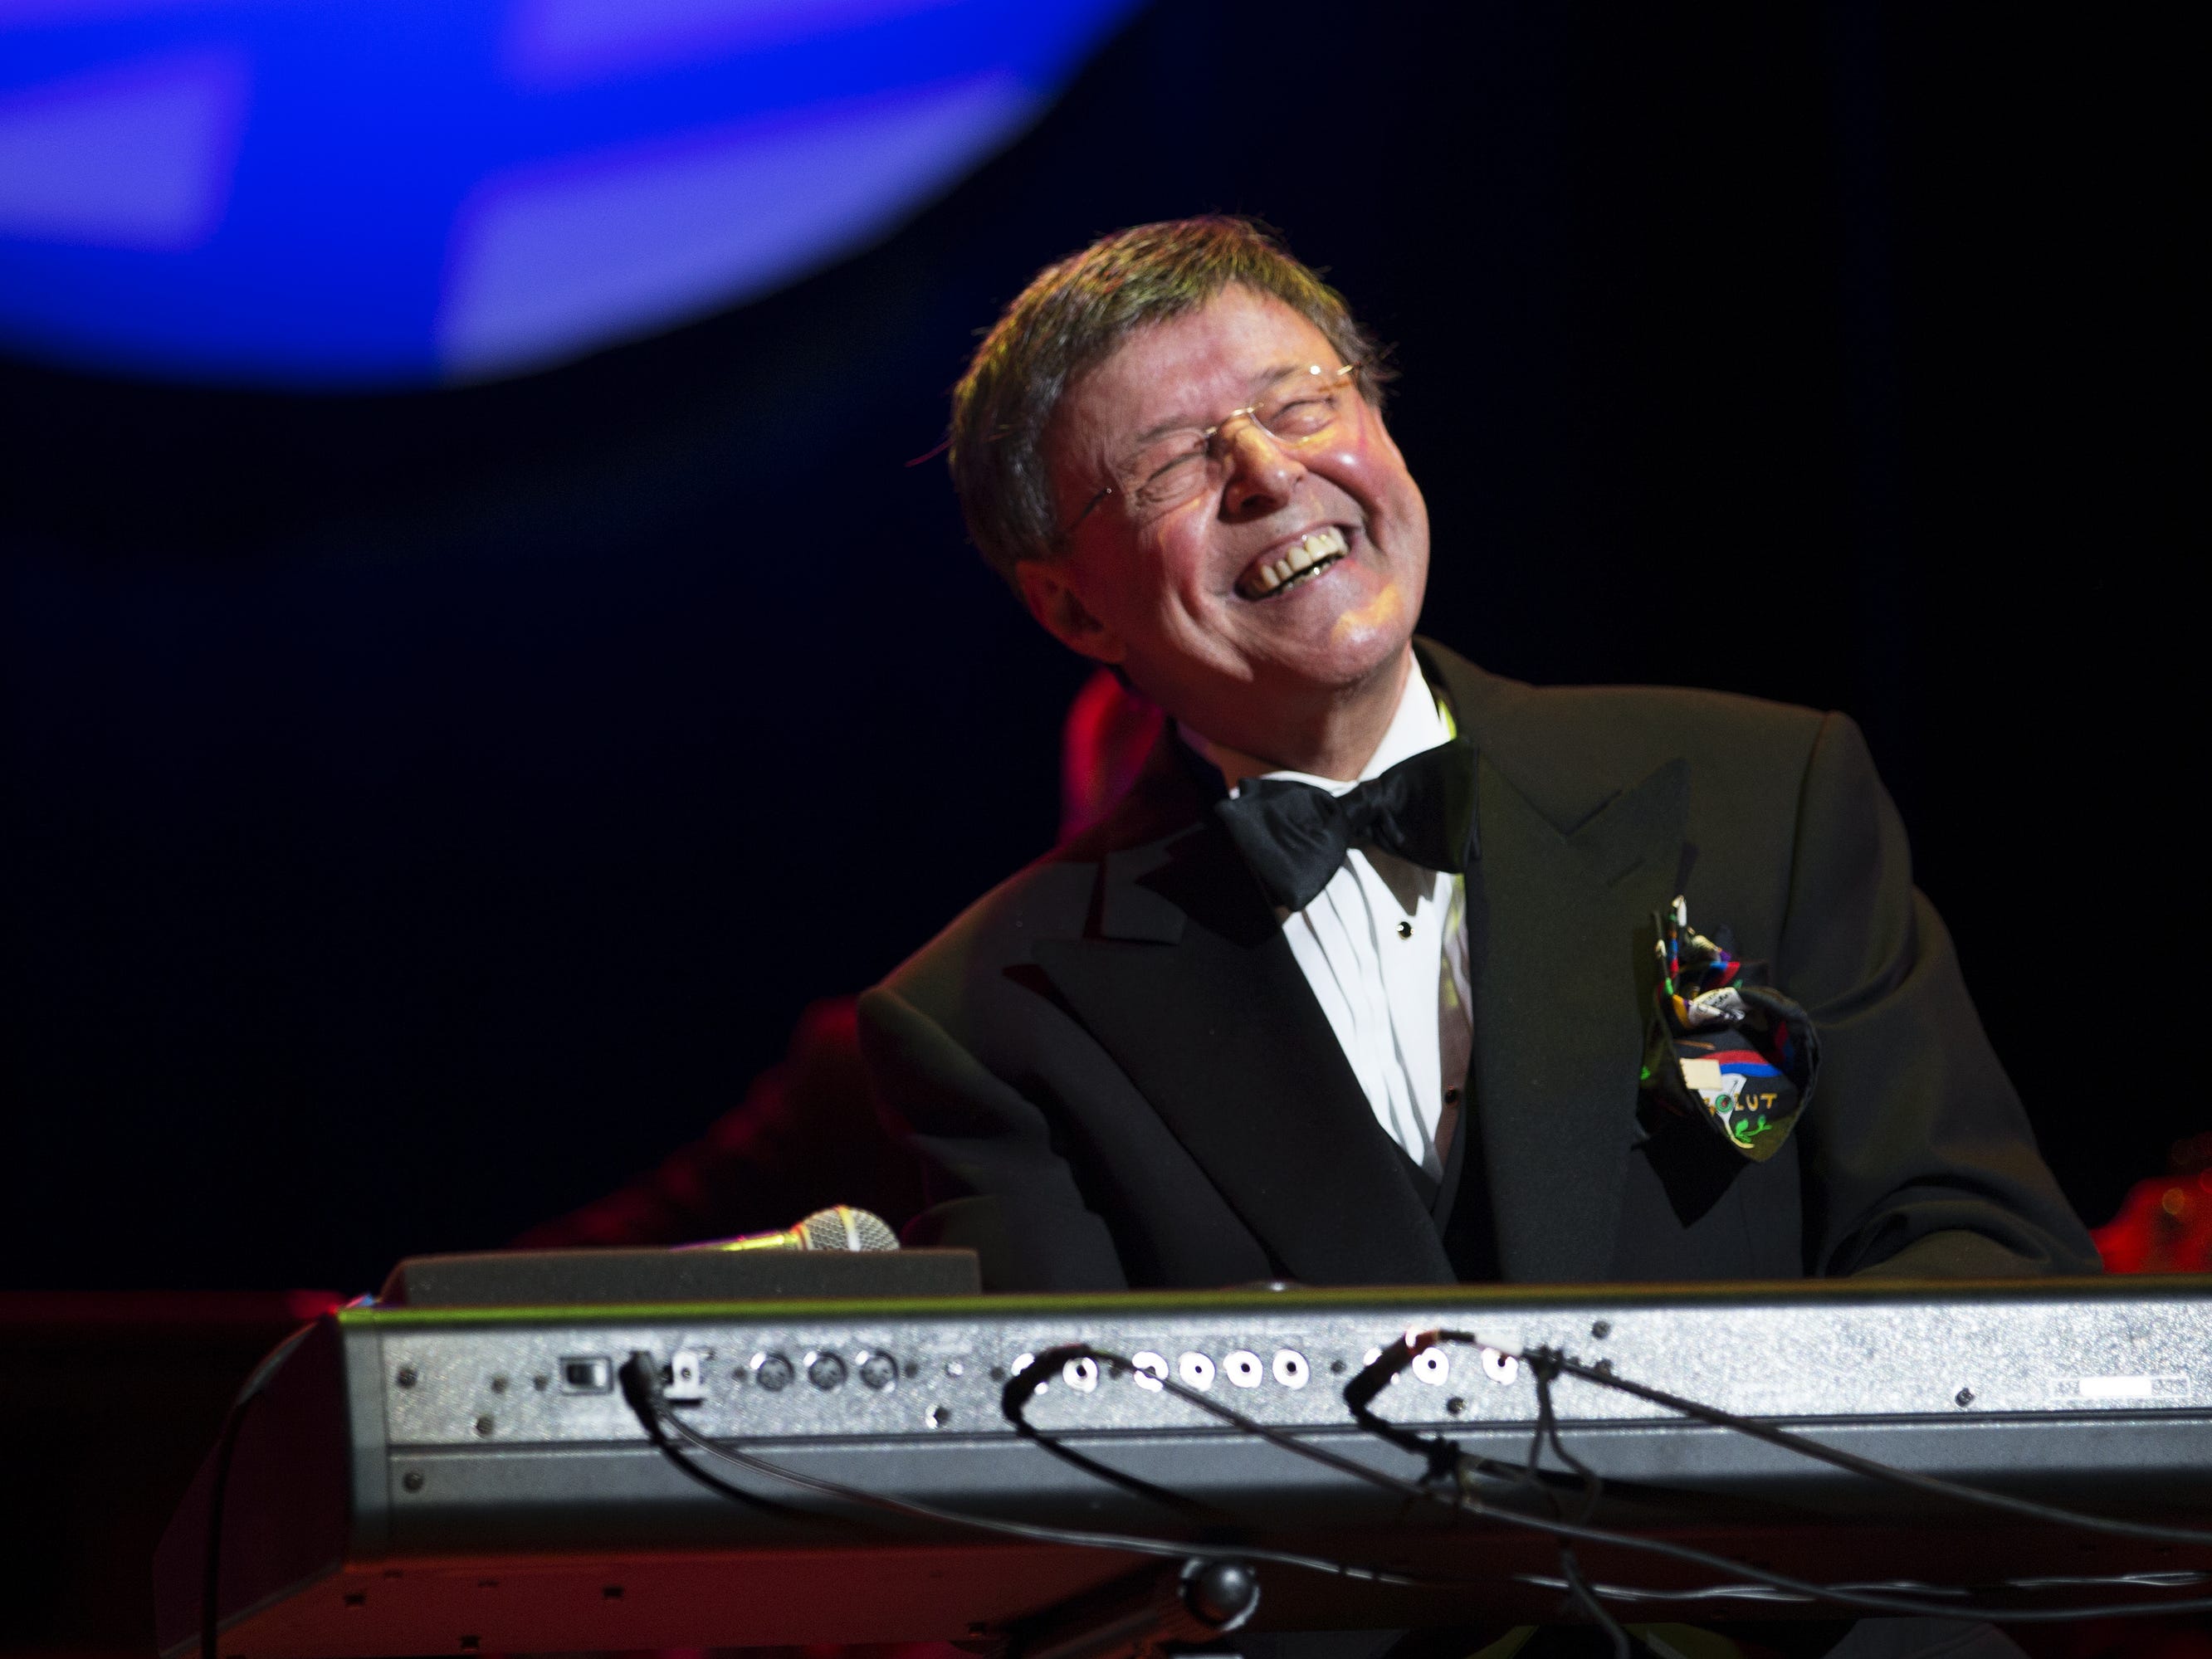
1317, 548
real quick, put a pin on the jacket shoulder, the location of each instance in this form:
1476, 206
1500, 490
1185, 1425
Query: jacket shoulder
966, 964
1570, 748
1049, 899
1636, 721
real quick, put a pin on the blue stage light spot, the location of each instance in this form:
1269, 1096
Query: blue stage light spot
137, 156
624, 240
353, 193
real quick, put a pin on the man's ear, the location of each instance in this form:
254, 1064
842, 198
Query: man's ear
1054, 602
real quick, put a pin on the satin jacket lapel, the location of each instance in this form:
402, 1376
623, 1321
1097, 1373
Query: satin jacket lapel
1556, 925
1190, 986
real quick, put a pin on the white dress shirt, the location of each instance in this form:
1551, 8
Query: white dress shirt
1384, 948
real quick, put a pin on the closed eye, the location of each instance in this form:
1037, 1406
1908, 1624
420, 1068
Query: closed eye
1168, 471
1305, 414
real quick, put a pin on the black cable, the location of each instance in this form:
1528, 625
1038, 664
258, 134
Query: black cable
1864, 1600
652, 1415
1570, 1569
1013, 1399
1191, 1508
1530, 1478
642, 1389
1547, 1430
1843, 1460
1462, 1502
1761, 1593
1757, 1593
1370, 1381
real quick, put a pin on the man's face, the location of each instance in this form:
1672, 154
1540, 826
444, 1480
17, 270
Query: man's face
1177, 597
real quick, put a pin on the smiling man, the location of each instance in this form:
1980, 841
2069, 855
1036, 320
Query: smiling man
1388, 970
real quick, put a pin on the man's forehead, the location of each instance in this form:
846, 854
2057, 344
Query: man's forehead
1176, 372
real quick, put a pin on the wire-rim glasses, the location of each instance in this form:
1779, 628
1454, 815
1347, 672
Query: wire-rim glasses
1301, 410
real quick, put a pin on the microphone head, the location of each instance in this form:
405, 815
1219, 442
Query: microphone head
844, 1228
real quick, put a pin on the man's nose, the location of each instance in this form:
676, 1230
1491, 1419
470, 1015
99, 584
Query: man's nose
1261, 472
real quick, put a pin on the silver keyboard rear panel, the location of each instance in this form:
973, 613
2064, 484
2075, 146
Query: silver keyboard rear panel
478, 1383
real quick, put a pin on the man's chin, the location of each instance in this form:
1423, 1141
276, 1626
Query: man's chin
1362, 640
1333, 667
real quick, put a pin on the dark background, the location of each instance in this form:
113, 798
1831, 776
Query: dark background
421, 811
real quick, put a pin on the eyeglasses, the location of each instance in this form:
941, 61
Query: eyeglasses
1300, 411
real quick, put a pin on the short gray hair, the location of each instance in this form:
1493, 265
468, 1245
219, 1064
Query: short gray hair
1069, 319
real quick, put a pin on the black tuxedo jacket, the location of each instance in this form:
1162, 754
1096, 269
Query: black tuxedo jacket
1116, 1075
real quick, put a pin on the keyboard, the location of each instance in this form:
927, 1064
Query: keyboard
426, 1479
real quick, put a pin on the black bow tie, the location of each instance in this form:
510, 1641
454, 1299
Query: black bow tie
1294, 836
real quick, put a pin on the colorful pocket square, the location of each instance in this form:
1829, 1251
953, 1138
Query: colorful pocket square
1724, 1049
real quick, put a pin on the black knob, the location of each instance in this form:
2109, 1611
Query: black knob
878, 1370
774, 1372
1222, 1593
826, 1372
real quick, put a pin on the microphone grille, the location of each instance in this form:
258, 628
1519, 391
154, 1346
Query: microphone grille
844, 1228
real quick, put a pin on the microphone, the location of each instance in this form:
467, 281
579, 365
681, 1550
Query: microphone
842, 1227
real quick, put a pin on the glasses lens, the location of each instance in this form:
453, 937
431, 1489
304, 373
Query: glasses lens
1167, 473
1301, 408
1308, 407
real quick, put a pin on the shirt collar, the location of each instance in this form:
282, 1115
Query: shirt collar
1419, 724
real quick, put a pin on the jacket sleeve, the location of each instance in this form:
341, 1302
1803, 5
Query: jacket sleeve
1917, 1157
998, 1187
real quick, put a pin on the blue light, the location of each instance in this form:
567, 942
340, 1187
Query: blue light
388, 193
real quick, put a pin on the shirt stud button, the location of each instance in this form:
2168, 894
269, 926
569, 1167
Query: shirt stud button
1405, 930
